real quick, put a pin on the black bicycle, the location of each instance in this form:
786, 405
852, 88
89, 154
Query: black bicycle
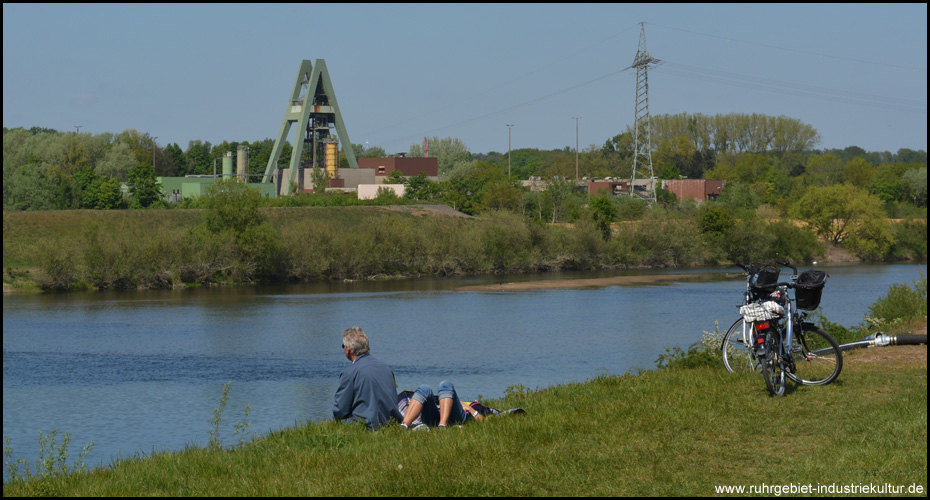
772, 336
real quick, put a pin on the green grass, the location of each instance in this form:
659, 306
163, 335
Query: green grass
667, 432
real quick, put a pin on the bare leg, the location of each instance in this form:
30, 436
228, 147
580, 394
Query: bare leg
414, 408
445, 409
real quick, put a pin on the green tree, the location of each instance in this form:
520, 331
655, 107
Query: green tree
916, 179
843, 211
372, 152
501, 195
109, 194
199, 160
859, 172
675, 156
714, 218
889, 184
143, 186
420, 188
117, 162
76, 157
320, 180
556, 199
739, 197
28, 188
451, 153
824, 170
177, 158
86, 186
618, 151
604, 213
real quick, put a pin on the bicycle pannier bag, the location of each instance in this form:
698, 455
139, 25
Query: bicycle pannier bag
809, 288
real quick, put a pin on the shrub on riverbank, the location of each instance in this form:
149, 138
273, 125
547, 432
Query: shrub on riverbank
230, 241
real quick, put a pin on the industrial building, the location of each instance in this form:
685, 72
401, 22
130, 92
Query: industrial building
370, 171
313, 108
694, 189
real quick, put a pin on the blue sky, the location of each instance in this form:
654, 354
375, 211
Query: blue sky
855, 72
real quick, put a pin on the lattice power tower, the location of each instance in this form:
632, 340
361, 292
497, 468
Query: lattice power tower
642, 127
312, 106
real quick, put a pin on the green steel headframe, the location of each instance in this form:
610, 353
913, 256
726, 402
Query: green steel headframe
313, 110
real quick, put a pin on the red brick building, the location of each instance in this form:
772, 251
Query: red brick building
610, 187
407, 166
694, 189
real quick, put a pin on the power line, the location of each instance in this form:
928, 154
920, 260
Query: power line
515, 107
787, 49
789, 88
715, 76
515, 79
534, 71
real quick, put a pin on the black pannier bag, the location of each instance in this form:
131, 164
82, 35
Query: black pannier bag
763, 282
809, 288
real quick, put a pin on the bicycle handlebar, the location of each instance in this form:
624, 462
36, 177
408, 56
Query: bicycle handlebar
751, 268
788, 264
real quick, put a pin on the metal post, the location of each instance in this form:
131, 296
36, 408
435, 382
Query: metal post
153, 152
509, 126
576, 147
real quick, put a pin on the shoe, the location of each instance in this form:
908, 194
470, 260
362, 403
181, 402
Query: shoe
420, 427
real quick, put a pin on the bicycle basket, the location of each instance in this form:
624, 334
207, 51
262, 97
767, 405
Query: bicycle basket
763, 281
762, 312
809, 288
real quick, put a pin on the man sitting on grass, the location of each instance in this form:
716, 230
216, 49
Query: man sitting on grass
367, 388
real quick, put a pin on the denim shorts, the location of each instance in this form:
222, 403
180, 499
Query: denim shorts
430, 413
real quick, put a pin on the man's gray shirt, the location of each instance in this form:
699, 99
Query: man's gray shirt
367, 391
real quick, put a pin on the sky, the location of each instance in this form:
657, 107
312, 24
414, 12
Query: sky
401, 72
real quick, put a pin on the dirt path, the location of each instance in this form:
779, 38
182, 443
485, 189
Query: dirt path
424, 209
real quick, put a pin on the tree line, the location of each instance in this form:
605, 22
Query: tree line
769, 164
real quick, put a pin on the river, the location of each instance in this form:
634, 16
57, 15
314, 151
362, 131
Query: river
134, 372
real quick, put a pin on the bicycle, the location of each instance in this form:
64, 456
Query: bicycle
773, 338
739, 356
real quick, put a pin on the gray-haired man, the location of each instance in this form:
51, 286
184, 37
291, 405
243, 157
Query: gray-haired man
367, 388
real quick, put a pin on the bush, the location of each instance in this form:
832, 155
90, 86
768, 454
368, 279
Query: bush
231, 205
901, 303
56, 265
748, 240
505, 241
790, 242
910, 240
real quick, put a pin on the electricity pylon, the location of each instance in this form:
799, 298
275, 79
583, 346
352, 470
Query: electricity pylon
642, 126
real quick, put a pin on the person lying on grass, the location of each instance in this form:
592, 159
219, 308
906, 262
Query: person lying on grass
450, 410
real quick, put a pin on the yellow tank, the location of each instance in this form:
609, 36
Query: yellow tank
330, 158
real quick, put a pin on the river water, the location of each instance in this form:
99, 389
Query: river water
134, 372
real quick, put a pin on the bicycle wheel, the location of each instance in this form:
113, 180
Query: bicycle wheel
773, 371
736, 349
817, 357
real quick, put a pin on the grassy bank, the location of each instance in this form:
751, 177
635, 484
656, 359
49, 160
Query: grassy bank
681, 430
668, 432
